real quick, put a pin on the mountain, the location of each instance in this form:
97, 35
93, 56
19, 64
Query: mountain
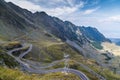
93, 34
51, 38
22, 25
23, 21
9, 19
115, 40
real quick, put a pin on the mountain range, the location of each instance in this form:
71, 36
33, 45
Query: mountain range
115, 40
22, 21
51, 37
18, 24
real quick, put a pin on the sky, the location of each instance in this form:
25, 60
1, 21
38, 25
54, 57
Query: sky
101, 14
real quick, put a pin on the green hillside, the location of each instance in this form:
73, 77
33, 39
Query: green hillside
13, 74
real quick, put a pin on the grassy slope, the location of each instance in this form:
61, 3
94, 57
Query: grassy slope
10, 74
51, 53
6, 59
109, 75
55, 52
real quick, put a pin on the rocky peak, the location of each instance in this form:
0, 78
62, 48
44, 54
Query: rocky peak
40, 14
93, 34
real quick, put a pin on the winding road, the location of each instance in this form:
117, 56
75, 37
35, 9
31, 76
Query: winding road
23, 54
27, 67
38, 66
91, 71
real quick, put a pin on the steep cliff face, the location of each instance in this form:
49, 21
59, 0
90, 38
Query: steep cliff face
93, 34
12, 24
63, 30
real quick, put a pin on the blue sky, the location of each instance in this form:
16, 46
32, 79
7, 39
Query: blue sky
102, 14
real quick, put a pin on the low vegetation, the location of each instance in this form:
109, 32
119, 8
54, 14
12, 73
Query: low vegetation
108, 74
105, 72
97, 45
56, 52
12, 45
14, 74
48, 54
6, 59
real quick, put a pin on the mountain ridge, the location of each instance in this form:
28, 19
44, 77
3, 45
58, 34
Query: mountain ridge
51, 38
43, 28
53, 24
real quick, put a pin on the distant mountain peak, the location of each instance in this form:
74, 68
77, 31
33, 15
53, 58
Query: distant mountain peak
41, 13
68, 22
93, 34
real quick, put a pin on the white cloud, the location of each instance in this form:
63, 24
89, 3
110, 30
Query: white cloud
64, 10
26, 4
89, 11
70, 2
49, 2
56, 11
94, 2
61, 11
57, 1
112, 19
